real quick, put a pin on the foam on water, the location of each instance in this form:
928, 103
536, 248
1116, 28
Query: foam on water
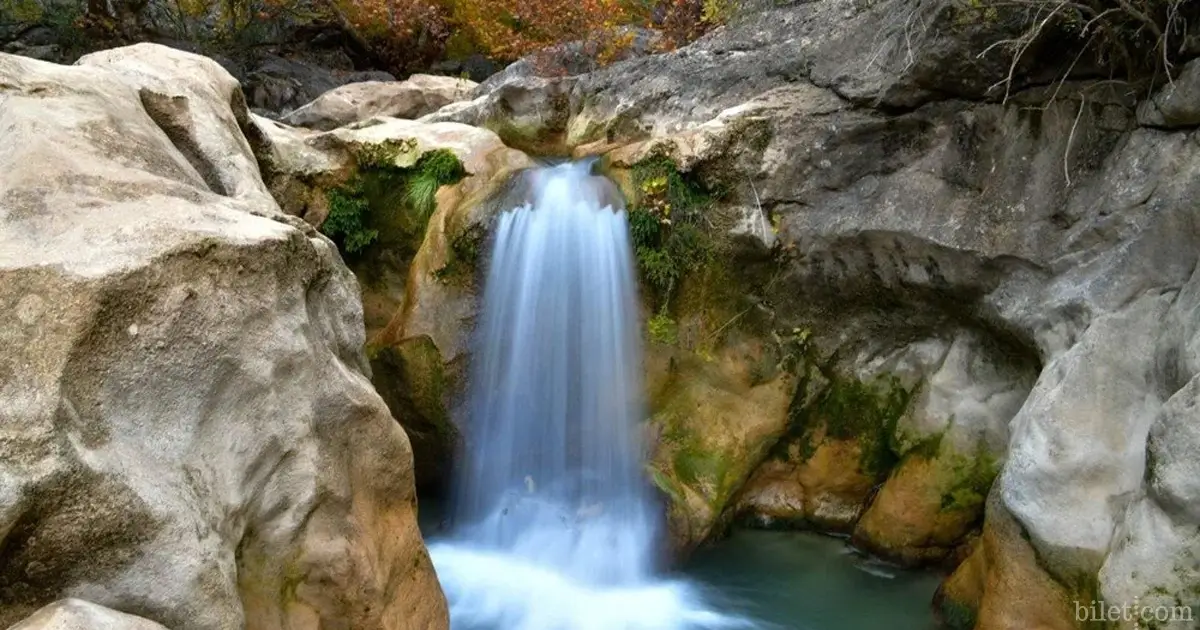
554, 525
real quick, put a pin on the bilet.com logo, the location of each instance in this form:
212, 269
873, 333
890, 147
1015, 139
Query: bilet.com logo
1142, 615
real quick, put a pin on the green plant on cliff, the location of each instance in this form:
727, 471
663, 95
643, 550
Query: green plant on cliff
348, 218
662, 329
671, 233
381, 196
463, 256
434, 170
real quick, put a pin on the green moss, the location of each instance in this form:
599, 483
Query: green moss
972, 480
670, 235
662, 329
463, 257
383, 197
850, 409
703, 470
926, 448
348, 218
957, 615
693, 463
667, 485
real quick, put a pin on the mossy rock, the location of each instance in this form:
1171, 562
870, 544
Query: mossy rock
387, 203
713, 428
929, 504
853, 409
411, 378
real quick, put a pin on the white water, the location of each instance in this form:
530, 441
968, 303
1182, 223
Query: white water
555, 529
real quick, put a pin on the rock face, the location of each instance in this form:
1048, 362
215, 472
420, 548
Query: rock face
414, 97
188, 431
1023, 269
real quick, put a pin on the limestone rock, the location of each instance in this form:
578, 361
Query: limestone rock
1001, 585
1062, 242
1176, 104
76, 614
713, 425
817, 490
188, 429
414, 97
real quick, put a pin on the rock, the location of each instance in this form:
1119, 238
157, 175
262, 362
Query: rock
76, 614
411, 378
1175, 105
305, 166
898, 205
299, 167
951, 445
528, 113
188, 430
279, 84
576, 58
714, 424
816, 490
1002, 586
414, 97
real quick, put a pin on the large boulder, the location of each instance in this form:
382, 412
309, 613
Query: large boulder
189, 432
413, 97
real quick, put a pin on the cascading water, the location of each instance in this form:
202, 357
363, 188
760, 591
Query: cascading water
555, 527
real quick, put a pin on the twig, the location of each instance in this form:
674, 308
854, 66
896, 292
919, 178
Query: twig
1070, 139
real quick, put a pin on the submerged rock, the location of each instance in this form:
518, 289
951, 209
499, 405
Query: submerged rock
188, 427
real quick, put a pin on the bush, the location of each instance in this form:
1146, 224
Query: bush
667, 224
348, 219
380, 190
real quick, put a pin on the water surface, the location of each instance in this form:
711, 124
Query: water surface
804, 581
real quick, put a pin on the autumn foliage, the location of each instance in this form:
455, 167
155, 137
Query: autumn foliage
510, 29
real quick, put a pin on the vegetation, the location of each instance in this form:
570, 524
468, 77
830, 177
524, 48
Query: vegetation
850, 409
957, 615
671, 234
407, 35
382, 194
465, 249
973, 479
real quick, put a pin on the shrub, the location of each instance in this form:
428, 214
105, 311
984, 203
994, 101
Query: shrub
667, 224
347, 221
380, 190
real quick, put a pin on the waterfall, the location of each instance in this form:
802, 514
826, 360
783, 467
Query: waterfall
555, 528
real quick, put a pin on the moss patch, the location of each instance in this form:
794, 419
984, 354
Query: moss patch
972, 480
956, 615
850, 409
463, 258
667, 224
384, 199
